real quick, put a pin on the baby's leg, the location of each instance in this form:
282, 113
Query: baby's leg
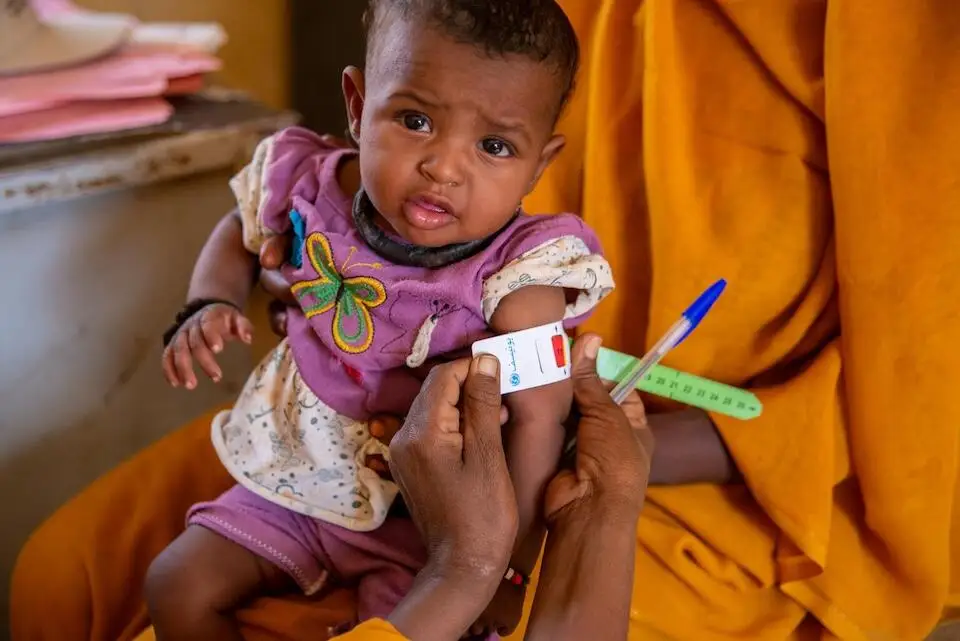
195, 586
235, 549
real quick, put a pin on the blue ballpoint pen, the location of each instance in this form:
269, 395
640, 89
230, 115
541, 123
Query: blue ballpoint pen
674, 336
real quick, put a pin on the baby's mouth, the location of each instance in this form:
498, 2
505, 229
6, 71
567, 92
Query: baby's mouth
426, 213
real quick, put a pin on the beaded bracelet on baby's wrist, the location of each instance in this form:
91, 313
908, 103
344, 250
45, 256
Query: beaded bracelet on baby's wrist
188, 311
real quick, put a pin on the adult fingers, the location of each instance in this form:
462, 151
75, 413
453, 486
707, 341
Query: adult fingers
384, 428
276, 285
277, 315
273, 254
424, 370
274, 251
604, 428
442, 390
636, 414
482, 436
434, 412
588, 389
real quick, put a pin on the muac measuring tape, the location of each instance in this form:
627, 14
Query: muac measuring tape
684, 388
541, 355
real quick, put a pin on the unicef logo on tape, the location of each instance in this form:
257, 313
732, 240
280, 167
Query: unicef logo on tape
514, 379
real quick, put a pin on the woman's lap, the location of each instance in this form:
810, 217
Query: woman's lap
71, 566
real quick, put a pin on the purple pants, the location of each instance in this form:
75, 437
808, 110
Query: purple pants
382, 563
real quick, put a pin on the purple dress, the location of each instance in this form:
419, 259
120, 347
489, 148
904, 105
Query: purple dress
297, 439
298, 434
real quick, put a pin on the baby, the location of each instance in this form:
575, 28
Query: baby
409, 249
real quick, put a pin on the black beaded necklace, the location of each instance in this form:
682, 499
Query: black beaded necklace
400, 253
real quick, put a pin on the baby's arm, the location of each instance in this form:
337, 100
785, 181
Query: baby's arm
534, 434
224, 271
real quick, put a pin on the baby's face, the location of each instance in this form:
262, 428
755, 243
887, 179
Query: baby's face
450, 140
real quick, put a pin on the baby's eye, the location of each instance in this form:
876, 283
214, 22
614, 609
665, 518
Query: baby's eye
416, 122
496, 147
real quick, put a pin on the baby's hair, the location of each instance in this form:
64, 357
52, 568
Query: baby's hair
536, 29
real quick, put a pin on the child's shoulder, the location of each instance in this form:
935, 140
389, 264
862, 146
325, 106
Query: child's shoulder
529, 232
552, 250
301, 138
292, 165
296, 150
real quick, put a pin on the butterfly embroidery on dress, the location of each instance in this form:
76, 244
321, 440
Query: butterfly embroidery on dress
351, 298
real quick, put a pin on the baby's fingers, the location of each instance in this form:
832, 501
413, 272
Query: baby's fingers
242, 327
202, 353
213, 330
183, 361
169, 367
223, 324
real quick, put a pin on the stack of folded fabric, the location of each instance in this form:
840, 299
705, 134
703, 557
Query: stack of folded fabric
68, 72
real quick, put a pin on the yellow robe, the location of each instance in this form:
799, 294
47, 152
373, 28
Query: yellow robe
810, 154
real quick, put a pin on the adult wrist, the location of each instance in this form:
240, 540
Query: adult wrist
464, 577
444, 601
607, 510
586, 577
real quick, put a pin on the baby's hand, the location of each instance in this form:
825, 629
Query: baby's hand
203, 335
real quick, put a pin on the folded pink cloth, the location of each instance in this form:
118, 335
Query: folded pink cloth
186, 85
79, 118
46, 8
136, 71
114, 93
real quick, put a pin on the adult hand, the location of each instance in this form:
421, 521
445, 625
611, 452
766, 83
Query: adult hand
449, 464
586, 577
614, 448
273, 255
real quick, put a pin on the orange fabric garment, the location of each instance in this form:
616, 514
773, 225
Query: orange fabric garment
80, 576
373, 630
806, 151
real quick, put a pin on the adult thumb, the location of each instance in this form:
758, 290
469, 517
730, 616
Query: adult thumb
587, 386
481, 408
274, 251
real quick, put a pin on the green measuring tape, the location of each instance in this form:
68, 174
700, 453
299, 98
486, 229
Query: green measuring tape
682, 387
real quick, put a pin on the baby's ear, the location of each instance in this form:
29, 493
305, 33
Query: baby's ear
550, 151
353, 97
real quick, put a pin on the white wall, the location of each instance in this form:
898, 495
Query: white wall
87, 289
